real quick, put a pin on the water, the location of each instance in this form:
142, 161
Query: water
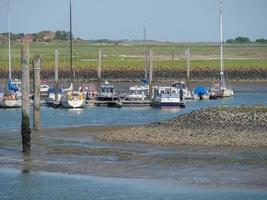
18, 184
245, 94
37, 185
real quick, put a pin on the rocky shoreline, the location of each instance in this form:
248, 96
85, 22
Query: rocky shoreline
243, 126
129, 74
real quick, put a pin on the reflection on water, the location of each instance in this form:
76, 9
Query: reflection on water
41, 185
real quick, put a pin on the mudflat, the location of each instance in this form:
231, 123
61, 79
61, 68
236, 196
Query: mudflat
243, 126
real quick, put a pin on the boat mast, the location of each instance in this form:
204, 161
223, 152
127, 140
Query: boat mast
71, 70
9, 42
145, 52
221, 46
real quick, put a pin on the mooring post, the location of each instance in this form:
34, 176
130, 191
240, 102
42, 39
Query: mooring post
36, 91
25, 124
150, 73
99, 66
56, 75
187, 51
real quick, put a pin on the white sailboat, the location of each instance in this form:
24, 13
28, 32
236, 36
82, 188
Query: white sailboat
71, 98
12, 96
221, 89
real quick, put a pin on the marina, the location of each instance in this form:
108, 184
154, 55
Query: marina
135, 100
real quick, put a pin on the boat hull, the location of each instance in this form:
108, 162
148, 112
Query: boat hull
10, 103
168, 105
224, 93
73, 104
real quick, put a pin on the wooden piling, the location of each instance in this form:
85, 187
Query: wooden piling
99, 64
36, 91
25, 124
56, 75
150, 73
188, 66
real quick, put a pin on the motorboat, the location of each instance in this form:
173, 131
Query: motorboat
183, 90
200, 93
166, 97
107, 93
44, 89
138, 93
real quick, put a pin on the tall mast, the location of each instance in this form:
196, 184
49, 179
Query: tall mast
221, 45
71, 70
145, 52
9, 42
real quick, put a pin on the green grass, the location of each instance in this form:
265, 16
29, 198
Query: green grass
130, 56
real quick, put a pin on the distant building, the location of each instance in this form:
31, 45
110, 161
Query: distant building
28, 37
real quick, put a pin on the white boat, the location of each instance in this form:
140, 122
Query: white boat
221, 89
183, 90
11, 99
138, 93
107, 93
72, 100
166, 97
12, 96
200, 93
44, 88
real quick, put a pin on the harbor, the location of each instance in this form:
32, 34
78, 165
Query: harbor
133, 100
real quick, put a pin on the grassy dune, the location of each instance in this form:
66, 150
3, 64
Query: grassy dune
130, 55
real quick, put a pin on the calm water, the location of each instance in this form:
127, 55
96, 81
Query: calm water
37, 185
245, 94
42, 185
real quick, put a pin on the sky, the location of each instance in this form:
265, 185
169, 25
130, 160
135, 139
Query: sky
165, 20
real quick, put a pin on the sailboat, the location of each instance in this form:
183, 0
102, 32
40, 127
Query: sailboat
140, 92
221, 89
71, 98
12, 96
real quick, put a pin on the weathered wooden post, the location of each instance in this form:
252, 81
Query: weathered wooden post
187, 52
36, 91
172, 53
99, 64
150, 73
56, 75
99, 69
25, 125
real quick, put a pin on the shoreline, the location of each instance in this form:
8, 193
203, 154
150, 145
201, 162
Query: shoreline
236, 126
78, 150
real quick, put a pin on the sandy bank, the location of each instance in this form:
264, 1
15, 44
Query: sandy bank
244, 126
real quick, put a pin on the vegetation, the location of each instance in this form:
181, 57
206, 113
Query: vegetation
130, 55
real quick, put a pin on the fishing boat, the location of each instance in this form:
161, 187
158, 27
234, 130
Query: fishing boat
184, 91
72, 98
221, 89
166, 97
107, 93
